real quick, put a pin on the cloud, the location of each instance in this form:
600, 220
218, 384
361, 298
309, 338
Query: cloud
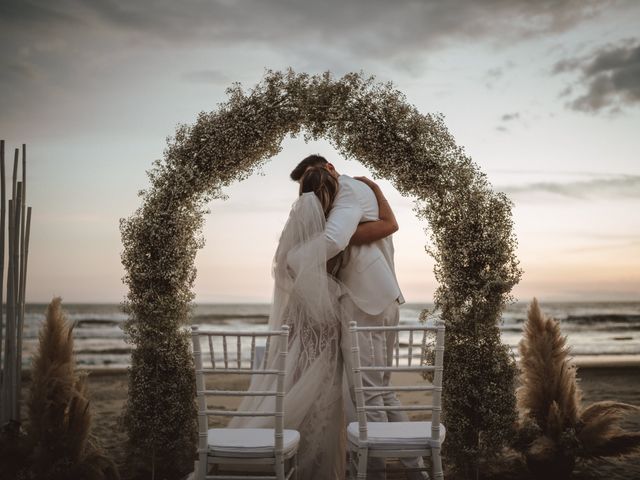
66, 38
207, 76
609, 77
372, 25
620, 186
495, 75
507, 117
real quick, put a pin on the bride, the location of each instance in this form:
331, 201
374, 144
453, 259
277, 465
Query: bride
309, 298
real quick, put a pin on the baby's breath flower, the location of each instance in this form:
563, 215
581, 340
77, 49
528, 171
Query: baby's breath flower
470, 236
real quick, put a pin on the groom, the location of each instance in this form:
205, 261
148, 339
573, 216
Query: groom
375, 296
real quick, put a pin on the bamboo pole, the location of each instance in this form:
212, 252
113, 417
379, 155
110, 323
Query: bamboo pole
17, 273
15, 174
26, 249
16, 247
11, 297
23, 199
2, 215
23, 285
16, 291
20, 315
18, 226
9, 371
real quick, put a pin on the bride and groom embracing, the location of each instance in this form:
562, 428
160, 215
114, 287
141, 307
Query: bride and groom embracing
333, 264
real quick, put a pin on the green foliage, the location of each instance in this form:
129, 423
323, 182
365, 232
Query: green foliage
470, 232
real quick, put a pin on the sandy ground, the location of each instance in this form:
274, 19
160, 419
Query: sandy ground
108, 392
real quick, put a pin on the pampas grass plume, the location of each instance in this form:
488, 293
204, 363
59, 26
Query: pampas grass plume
554, 428
547, 376
59, 424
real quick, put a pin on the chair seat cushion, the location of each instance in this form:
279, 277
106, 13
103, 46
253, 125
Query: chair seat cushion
248, 442
391, 435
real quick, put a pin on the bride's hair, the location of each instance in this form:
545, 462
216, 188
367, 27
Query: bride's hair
319, 181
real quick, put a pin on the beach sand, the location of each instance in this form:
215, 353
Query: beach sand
620, 382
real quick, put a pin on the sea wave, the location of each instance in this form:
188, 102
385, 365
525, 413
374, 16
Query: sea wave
592, 328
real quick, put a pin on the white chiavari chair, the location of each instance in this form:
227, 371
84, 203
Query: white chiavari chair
398, 439
274, 448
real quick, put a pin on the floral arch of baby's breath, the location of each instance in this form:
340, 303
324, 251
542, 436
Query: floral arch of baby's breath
469, 234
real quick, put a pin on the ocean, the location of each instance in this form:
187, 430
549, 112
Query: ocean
598, 328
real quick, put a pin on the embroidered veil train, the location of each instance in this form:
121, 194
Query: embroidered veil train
306, 298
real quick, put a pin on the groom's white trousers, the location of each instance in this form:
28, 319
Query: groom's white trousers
372, 352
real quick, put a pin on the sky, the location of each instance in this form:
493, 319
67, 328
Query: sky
544, 96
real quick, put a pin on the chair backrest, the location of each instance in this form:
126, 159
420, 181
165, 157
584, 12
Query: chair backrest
409, 355
225, 353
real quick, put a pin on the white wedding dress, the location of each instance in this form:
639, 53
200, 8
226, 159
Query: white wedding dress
306, 298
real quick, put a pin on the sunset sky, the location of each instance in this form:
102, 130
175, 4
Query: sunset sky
544, 96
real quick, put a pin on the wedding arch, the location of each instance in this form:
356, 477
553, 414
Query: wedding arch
469, 234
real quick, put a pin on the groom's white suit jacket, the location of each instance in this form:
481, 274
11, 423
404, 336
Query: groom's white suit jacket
369, 271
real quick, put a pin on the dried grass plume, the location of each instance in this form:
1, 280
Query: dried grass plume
554, 428
58, 431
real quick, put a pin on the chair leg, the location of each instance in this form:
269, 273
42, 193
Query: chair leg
437, 464
363, 454
352, 465
295, 465
279, 467
203, 464
196, 470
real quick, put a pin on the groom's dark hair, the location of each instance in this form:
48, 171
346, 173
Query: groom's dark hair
310, 161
